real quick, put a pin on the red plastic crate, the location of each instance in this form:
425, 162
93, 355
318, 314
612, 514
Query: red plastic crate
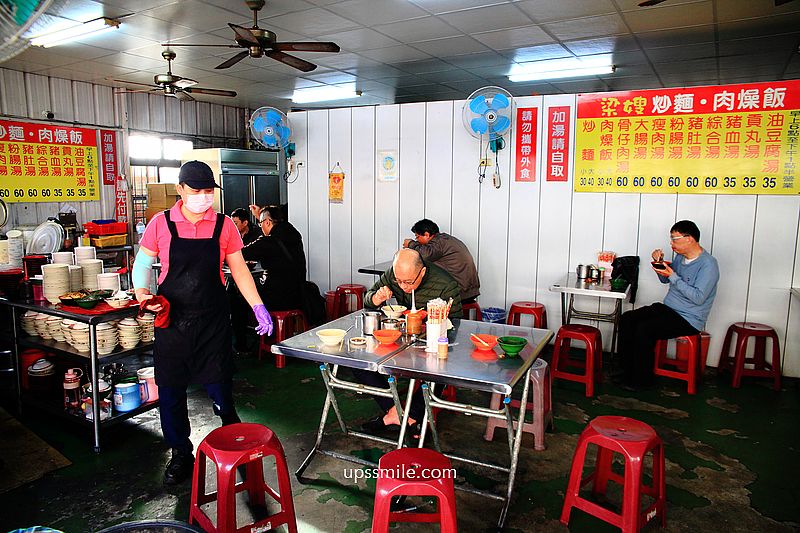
113, 228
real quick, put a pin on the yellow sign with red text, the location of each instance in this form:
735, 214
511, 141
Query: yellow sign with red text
734, 139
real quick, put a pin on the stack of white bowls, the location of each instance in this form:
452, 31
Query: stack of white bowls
109, 280
54, 328
90, 268
129, 333
75, 277
106, 338
147, 322
64, 258
3, 251
66, 330
79, 333
40, 323
55, 282
16, 248
28, 320
82, 253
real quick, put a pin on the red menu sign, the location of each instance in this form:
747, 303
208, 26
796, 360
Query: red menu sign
109, 156
557, 143
121, 199
526, 144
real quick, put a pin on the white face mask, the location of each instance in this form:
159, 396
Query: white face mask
198, 203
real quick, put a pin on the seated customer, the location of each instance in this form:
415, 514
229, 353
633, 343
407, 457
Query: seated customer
692, 279
408, 273
449, 253
241, 218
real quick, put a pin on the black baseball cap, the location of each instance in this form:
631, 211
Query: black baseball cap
197, 175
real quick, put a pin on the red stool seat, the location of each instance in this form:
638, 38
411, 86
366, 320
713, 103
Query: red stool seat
341, 302
472, 306
591, 368
330, 305
736, 362
227, 448
528, 308
394, 480
286, 324
691, 353
542, 382
633, 440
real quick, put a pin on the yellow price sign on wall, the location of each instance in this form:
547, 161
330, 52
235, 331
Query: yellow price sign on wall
44, 163
733, 139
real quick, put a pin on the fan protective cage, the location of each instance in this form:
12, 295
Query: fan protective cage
487, 112
270, 127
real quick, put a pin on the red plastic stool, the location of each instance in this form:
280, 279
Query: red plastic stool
287, 324
472, 306
591, 368
540, 405
229, 447
632, 439
341, 303
736, 362
330, 305
691, 353
393, 480
528, 308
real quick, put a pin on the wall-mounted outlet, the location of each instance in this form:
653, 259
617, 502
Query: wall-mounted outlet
486, 162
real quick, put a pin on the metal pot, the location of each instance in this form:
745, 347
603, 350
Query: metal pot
582, 271
391, 323
370, 321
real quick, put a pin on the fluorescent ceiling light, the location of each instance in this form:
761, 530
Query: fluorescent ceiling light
324, 94
74, 33
560, 68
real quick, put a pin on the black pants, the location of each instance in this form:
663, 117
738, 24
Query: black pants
638, 332
374, 379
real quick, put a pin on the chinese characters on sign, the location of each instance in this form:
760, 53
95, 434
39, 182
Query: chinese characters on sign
526, 144
558, 143
108, 141
336, 187
44, 163
121, 199
733, 139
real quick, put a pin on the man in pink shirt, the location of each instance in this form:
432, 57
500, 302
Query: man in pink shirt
192, 241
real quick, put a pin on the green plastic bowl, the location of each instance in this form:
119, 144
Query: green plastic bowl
619, 284
88, 302
512, 345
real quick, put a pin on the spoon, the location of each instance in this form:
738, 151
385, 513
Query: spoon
413, 302
480, 340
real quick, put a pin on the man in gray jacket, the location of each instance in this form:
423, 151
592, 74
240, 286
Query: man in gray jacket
448, 253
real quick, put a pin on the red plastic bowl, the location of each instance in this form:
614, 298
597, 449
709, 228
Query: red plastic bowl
491, 340
386, 336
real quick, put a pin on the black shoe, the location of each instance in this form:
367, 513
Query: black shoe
376, 424
179, 468
229, 419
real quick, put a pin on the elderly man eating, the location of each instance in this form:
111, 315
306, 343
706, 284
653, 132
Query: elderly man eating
408, 273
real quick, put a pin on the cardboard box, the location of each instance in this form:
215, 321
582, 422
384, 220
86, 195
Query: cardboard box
162, 195
150, 212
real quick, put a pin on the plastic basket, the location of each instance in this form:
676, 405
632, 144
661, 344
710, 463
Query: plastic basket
496, 315
109, 240
104, 227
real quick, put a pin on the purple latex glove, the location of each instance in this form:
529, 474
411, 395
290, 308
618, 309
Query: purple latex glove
264, 320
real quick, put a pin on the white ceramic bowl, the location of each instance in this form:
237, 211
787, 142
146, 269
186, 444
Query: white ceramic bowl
393, 311
331, 337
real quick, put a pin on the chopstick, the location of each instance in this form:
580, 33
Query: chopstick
480, 340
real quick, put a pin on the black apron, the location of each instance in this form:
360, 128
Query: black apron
196, 347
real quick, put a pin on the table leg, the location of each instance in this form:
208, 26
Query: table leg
327, 380
617, 317
564, 317
321, 429
429, 419
404, 415
512, 473
16, 361
509, 425
95, 387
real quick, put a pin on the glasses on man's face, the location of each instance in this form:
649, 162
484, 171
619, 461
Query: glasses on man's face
409, 283
674, 238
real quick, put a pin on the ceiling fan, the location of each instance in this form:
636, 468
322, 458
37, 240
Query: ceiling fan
172, 85
648, 3
260, 42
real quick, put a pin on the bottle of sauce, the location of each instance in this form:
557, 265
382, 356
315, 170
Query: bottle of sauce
442, 348
72, 389
414, 323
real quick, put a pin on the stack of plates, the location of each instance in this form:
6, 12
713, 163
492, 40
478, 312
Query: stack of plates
129, 333
79, 333
147, 324
55, 281
54, 328
106, 338
75, 277
109, 280
66, 330
4, 251
27, 321
16, 248
67, 258
82, 253
40, 323
46, 239
90, 269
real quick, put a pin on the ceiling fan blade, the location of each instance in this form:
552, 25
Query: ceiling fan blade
232, 61
779, 3
212, 92
124, 91
306, 47
131, 82
244, 34
183, 96
648, 3
296, 62
184, 83
214, 45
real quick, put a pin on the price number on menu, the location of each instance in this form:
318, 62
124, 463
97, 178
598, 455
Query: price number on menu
719, 184
42, 194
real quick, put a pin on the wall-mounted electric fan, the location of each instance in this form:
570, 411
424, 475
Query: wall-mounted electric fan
271, 128
487, 116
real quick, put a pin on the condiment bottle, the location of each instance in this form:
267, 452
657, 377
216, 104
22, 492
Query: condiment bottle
442, 348
414, 323
72, 388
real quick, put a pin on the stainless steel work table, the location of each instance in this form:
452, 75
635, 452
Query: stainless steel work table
367, 357
376, 269
573, 286
466, 367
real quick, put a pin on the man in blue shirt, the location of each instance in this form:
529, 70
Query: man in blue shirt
692, 279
